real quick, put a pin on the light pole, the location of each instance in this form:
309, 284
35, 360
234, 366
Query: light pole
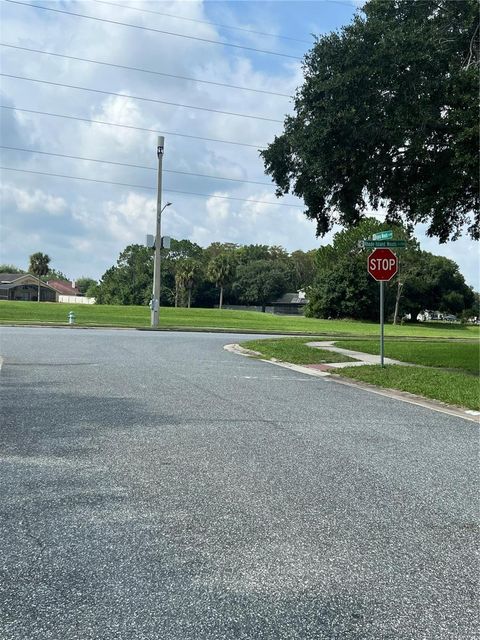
158, 237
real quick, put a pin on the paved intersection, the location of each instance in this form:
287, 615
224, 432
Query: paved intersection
155, 486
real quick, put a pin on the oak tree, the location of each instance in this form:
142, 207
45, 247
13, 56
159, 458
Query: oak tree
387, 117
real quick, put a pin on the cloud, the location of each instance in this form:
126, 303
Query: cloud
36, 201
218, 210
127, 220
99, 219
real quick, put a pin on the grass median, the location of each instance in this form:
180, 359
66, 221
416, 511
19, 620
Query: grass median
454, 388
433, 378
294, 350
464, 356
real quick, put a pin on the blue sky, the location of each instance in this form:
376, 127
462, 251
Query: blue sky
84, 225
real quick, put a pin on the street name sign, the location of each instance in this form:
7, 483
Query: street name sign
384, 244
383, 235
382, 265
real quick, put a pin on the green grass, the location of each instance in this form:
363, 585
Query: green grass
453, 388
464, 356
294, 350
136, 316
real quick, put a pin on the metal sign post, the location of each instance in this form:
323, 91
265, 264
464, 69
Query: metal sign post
382, 265
382, 338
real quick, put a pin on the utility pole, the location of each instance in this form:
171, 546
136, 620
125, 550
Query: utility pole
155, 316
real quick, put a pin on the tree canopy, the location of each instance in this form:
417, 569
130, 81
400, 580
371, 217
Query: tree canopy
130, 281
10, 268
220, 271
261, 281
39, 264
387, 117
343, 288
85, 284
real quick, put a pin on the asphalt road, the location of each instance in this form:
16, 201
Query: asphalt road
155, 486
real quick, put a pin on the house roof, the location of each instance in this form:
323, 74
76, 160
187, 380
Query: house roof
6, 278
66, 288
11, 280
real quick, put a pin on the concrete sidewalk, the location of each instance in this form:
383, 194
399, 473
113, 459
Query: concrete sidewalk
359, 356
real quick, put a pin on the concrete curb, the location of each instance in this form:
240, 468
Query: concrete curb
333, 376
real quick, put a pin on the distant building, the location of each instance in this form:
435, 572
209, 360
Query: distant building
292, 304
65, 287
24, 286
69, 293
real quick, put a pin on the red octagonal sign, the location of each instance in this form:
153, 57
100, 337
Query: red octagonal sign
382, 264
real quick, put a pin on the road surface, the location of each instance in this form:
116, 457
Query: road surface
157, 487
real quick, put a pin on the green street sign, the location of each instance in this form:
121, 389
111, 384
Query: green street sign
383, 235
384, 244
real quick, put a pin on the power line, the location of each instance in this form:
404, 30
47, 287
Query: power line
168, 33
134, 166
123, 95
139, 186
129, 126
214, 24
158, 73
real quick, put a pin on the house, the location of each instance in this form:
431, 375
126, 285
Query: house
24, 286
64, 287
68, 292
290, 304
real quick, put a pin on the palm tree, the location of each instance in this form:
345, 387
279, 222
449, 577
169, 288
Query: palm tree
39, 266
186, 273
178, 285
220, 269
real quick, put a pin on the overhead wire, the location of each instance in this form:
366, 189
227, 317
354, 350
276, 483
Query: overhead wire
100, 122
151, 29
150, 71
143, 99
213, 24
134, 166
129, 126
139, 186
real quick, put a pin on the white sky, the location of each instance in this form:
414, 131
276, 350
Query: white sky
83, 226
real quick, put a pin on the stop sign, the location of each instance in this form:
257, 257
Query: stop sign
382, 264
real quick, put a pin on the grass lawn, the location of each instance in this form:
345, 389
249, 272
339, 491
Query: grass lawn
448, 354
453, 388
138, 317
294, 350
